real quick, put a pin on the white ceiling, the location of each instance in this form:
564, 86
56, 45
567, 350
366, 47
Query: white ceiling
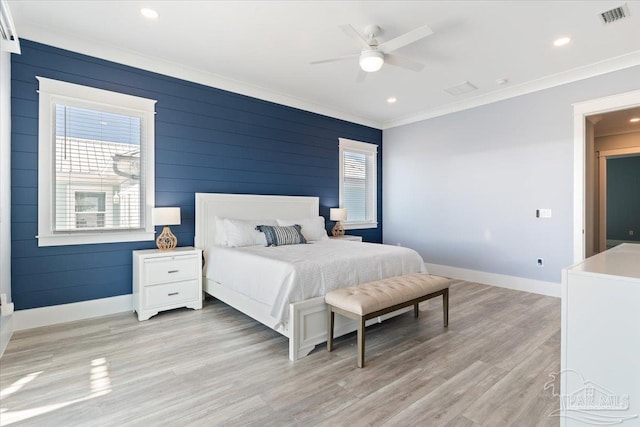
263, 48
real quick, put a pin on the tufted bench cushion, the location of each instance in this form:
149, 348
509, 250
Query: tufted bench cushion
374, 296
384, 296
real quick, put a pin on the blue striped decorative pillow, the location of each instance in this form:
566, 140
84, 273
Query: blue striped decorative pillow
279, 236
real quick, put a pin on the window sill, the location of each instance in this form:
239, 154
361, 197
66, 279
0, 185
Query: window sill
95, 238
359, 225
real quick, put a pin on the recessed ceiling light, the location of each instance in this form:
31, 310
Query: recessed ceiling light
149, 13
635, 120
562, 41
391, 100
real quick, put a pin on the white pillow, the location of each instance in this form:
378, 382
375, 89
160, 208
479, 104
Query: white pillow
220, 235
312, 228
242, 232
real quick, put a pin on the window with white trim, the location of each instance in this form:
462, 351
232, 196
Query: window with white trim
358, 183
96, 165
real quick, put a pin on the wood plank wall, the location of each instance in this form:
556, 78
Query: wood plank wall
207, 140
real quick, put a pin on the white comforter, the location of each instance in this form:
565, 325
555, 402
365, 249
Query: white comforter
278, 276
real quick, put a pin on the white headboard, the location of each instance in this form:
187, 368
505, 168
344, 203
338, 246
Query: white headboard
247, 206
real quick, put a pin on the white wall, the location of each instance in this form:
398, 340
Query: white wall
6, 326
462, 189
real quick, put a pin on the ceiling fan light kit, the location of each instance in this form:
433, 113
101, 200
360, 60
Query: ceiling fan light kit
371, 60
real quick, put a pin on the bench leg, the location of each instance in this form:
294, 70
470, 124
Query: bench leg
416, 310
445, 307
361, 322
330, 321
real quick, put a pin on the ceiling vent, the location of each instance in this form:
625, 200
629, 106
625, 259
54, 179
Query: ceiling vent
614, 15
460, 89
8, 36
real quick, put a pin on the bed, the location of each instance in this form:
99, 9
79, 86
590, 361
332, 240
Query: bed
283, 287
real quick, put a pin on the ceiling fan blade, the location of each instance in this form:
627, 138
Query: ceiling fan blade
355, 35
405, 39
338, 58
403, 61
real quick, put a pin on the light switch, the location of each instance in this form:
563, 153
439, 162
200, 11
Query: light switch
543, 213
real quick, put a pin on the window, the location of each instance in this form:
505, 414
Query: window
358, 189
96, 176
89, 210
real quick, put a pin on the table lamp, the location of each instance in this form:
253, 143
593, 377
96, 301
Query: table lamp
337, 214
166, 241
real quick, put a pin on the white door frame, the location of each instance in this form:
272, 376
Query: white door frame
580, 111
602, 184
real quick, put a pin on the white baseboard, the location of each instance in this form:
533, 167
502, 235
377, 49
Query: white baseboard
511, 282
6, 330
44, 316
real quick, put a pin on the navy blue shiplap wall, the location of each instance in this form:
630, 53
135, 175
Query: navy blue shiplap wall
207, 140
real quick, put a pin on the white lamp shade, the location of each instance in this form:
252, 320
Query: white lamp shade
166, 216
338, 214
371, 60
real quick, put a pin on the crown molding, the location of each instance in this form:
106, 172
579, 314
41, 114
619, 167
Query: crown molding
180, 71
598, 68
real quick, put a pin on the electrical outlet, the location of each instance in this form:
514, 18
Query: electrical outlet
540, 262
630, 232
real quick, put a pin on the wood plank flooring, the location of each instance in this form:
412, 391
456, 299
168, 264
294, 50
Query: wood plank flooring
217, 366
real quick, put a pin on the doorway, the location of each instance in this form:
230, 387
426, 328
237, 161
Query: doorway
618, 172
584, 157
609, 136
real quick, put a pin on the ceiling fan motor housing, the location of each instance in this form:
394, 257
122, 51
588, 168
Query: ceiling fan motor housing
372, 31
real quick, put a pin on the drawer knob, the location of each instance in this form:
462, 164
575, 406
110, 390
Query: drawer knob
172, 294
173, 271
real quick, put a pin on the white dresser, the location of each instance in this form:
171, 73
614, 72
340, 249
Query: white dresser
601, 339
166, 280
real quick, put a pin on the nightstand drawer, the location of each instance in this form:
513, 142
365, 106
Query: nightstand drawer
170, 293
170, 269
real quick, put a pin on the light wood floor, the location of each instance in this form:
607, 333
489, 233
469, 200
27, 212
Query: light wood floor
216, 366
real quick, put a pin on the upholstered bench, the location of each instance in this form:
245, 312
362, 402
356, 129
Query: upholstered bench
374, 299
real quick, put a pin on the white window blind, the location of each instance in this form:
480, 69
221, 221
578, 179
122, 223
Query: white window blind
358, 176
98, 160
96, 178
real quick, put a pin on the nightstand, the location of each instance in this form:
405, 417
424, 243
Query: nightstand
166, 280
348, 238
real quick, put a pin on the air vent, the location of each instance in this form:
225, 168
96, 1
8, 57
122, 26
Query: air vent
614, 15
460, 89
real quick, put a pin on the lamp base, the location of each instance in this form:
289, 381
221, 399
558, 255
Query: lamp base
337, 230
166, 241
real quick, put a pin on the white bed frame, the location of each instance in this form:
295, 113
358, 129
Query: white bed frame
307, 324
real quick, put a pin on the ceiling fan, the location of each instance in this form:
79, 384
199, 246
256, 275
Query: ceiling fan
374, 54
